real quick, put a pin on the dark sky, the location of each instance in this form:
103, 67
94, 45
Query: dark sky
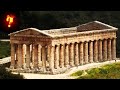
3, 23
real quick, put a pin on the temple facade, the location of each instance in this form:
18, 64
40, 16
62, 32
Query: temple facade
56, 50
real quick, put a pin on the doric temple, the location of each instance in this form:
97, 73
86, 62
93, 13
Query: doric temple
57, 50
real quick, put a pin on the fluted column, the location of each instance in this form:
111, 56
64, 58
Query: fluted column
27, 56
100, 51
49, 54
20, 56
105, 50
51, 60
56, 56
71, 54
76, 55
32, 54
109, 49
39, 55
81, 53
43, 58
35, 56
12, 56
91, 51
86, 52
16, 51
95, 58
62, 56
114, 49
23, 55
66, 55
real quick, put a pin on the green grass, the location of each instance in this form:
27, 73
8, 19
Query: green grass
4, 74
109, 71
4, 49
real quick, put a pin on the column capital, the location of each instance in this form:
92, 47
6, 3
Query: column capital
27, 43
19, 43
90, 40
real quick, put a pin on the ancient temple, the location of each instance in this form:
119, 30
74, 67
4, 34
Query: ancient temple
56, 50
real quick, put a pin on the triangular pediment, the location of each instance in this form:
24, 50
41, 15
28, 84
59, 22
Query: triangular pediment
95, 25
30, 32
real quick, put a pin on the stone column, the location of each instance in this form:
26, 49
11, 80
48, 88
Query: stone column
81, 53
43, 58
109, 49
113, 49
49, 54
61, 56
95, 58
35, 56
91, 51
100, 51
76, 55
32, 54
12, 56
20, 56
105, 50
56, 57
71, 54
16, 51
23, 55
39, 55
27, 56
51, 60
66, 55
86, 52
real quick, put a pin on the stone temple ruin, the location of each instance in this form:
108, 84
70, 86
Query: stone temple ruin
56, 50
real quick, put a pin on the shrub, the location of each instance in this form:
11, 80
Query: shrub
78, 73
4, 49
4, 74
110, 71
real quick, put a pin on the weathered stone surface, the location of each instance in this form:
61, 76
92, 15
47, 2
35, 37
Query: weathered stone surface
12, 56
28, 56
105, 50
91, 51
95, 58
81, 54
109, 49
85, 53
55, 51
100, 51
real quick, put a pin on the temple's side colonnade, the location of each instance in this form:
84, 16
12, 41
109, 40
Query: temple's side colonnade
37, 56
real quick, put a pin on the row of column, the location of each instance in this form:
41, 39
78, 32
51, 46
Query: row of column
75, 54
60, 56
27, 54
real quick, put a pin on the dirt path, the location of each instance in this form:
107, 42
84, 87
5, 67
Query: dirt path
67, 74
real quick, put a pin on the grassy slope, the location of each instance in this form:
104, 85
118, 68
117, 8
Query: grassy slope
4, 49
110, 71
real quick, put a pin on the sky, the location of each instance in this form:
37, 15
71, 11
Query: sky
4, 24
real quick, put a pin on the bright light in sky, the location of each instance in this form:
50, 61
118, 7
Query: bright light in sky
9, 19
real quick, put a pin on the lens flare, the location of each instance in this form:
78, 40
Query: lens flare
9, 19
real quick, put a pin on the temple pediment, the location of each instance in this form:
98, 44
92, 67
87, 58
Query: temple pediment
30, 32
95, 25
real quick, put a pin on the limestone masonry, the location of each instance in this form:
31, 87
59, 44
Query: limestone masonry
56, 50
